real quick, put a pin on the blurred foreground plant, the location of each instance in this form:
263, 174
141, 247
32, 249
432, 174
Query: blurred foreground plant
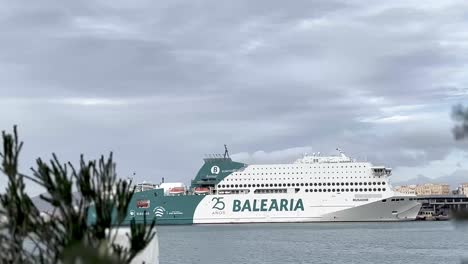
460, 132
66, 236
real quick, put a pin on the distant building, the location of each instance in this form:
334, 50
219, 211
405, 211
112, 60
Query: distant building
425, 189
463, 189
407, 189
433, 189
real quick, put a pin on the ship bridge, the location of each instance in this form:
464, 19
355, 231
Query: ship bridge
317, 158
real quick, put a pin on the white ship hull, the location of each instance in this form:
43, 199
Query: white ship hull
334, 209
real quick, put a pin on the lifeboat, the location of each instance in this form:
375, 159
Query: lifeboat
177, 190
143, 203
202, 190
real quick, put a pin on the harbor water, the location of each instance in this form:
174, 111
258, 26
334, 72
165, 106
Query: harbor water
399, 242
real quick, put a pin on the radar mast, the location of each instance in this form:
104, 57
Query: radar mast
226, 152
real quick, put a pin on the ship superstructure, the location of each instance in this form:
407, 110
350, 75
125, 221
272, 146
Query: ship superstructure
313, 188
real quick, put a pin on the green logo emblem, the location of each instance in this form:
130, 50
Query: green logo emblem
219, 205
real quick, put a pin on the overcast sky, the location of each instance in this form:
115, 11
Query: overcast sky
161, 83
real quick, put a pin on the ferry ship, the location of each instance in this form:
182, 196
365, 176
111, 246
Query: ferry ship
314, 188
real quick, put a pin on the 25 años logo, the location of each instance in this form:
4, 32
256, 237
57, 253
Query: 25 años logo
219, 205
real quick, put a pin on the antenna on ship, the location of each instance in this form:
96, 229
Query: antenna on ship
226, 152
341, 152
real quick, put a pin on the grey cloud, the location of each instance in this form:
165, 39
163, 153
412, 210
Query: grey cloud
161, 83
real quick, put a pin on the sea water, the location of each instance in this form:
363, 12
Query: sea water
402, 242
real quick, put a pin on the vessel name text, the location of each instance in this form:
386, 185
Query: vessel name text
265, 205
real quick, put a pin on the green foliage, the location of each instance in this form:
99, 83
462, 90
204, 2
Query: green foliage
460, 132
460, 115
66, 237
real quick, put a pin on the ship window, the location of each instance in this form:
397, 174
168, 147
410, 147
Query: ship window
365, 183
307, 184
333, 190
351, 190
383, 183
333, 184
375, 189
373, 183
307, 190
365, 189
384, 200
289, 185
315, 184
302, 184
383, 189
379, 189
328, 184
347, 190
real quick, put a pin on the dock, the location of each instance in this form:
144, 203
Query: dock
440, 207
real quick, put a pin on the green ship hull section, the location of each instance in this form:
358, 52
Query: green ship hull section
175, 209
166, 210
